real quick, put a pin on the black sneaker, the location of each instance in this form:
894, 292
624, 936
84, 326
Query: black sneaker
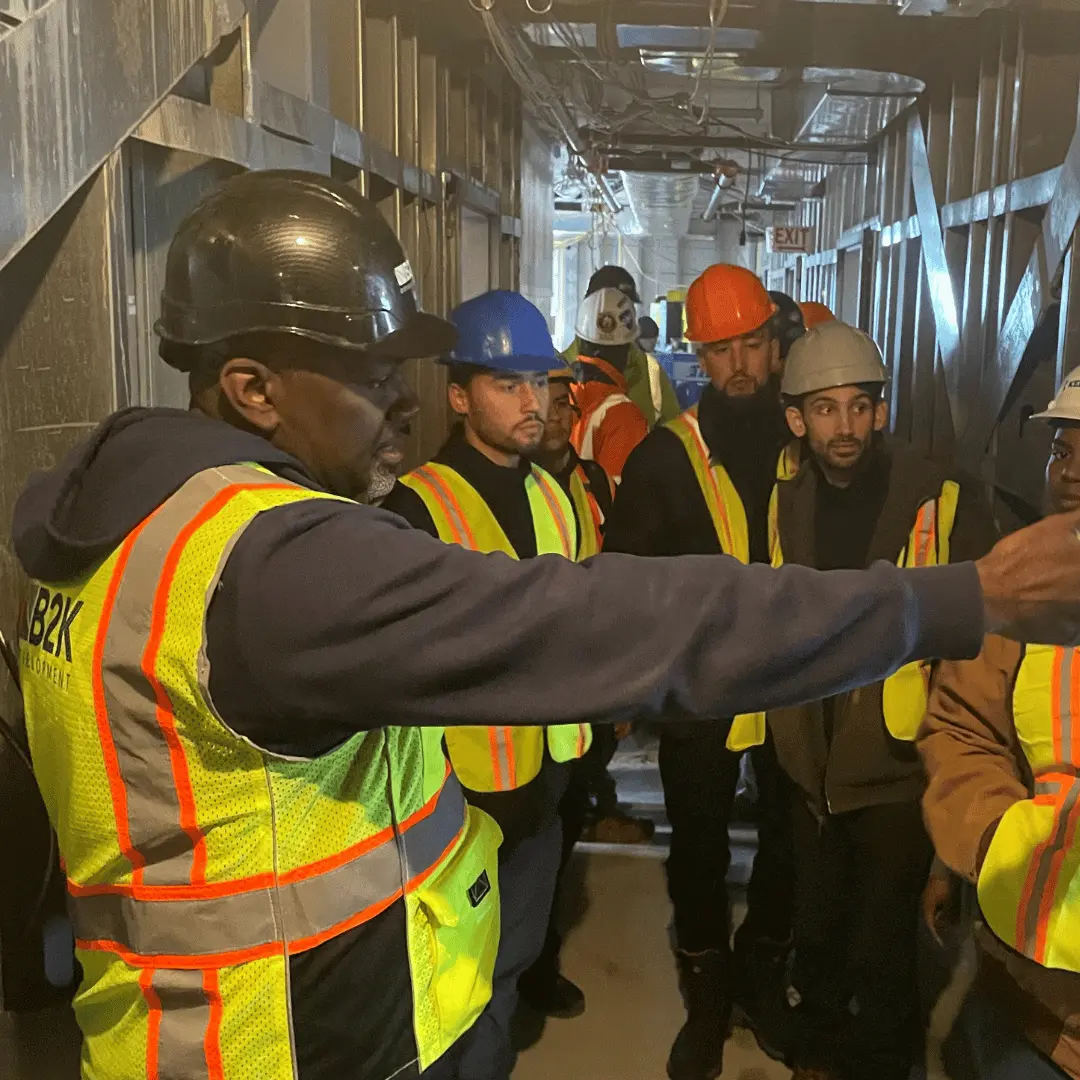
558, 998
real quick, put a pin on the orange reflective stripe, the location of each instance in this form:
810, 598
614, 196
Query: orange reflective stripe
459, 524
926, 533
212, 1044
556, 512
182, 963
1064, 833
153, 1027
101, 712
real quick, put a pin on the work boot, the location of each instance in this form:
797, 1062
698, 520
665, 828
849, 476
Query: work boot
698, 1052
619, 829
556, 996
761, 997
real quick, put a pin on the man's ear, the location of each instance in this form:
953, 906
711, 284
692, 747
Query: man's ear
776, 365
458, 397
252, 389
795, 421
881, 416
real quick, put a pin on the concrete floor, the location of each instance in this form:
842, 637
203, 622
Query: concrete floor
618, 953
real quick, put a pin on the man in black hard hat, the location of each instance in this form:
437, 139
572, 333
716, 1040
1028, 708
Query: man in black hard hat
647, 384
236, 678
787, 322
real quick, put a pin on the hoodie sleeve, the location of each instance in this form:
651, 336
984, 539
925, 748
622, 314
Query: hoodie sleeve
332, 619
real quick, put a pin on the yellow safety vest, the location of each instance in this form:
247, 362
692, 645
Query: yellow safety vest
1029, 880
729, 519
589, 515
197, 863
501, 758
905, 694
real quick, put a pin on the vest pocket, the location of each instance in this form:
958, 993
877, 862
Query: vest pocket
904, 699
454, 936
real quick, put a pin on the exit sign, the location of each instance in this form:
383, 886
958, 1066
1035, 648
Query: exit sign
789, 239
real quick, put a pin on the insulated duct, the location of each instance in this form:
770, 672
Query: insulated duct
661, 203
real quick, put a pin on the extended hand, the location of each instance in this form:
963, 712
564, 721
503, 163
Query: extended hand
1031, 583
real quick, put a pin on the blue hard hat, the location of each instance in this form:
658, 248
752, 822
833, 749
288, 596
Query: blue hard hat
503, 331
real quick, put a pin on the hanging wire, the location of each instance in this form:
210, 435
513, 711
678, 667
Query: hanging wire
540, 10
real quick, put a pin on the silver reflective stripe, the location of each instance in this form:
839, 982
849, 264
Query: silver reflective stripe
1066, 658
309, 907
165, 927
185, 1020
1055, 844
142, 753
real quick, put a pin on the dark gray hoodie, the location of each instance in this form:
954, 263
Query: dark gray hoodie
332, 618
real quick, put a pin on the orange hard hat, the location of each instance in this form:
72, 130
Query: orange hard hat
814, 314
726, 302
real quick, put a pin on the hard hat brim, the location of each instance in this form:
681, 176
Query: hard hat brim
1058, 413
518, 365
742, 333
425, 335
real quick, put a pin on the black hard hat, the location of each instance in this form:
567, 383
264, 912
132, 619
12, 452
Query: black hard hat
300, 253
614, 277
647, 327
788, 320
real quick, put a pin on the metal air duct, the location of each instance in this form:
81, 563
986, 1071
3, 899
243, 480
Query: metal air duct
661, 203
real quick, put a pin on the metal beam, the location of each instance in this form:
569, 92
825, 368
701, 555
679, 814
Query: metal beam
697, 140
1031, 300
76, 80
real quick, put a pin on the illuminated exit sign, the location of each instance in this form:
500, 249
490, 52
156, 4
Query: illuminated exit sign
790, 239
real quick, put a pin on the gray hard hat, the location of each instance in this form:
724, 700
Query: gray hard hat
832, 354
299, 253
1066, 406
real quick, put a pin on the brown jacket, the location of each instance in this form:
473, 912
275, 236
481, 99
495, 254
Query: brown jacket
976, 771
861, 764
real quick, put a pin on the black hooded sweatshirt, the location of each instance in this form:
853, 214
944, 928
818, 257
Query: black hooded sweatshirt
332, 618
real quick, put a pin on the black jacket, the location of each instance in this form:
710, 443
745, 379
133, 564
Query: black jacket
659, 508
839, 751
332, 618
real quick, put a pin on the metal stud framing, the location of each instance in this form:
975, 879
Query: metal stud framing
961, 230
116, 118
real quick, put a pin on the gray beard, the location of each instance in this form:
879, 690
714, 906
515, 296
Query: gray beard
382, 483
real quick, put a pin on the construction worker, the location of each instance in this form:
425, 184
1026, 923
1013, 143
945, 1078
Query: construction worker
862, 855
648, 334
609, 424
647, 384
235, 678
999, 746
815, 314
701, 485
544, 986
481, 492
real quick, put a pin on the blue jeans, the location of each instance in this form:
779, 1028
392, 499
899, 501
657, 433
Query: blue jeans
999, 1052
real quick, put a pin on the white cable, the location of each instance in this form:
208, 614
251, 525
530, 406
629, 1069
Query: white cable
540, 11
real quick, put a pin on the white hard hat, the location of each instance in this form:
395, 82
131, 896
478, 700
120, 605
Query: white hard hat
1066, 406
832, 354
608, 317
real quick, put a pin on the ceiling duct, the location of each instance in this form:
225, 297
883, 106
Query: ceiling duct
662, 204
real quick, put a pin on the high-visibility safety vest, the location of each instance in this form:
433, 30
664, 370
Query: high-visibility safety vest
1028, 880
501, 758
197, 863
732, 530
589, 514
905, 694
